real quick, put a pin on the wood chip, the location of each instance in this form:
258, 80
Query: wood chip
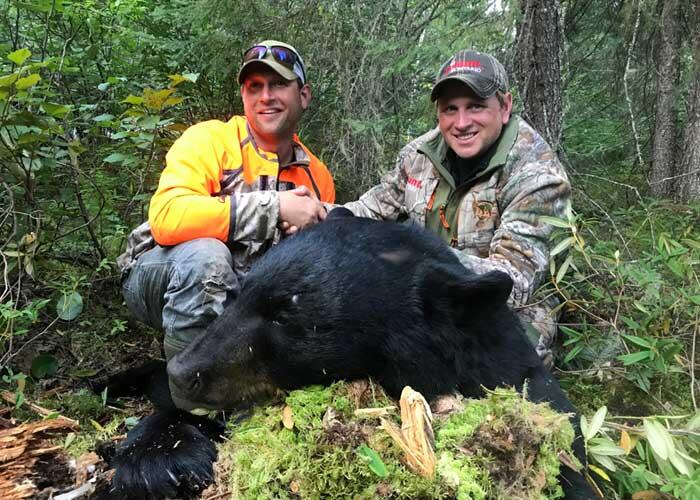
415, 437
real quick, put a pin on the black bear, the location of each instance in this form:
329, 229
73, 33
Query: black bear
349, 298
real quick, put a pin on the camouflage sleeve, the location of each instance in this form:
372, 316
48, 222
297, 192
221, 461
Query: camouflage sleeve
520, 246
386, 199
254, 216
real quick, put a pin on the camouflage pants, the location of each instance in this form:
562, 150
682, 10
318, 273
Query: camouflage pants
181, 289
540, 322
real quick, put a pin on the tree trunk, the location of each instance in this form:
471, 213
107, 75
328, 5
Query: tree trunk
663, 166
690, 165
538, 70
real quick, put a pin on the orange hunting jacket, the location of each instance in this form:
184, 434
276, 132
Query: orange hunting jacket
218, 183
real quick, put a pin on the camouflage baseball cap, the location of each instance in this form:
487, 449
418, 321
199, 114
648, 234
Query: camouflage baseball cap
280, 57
481, 72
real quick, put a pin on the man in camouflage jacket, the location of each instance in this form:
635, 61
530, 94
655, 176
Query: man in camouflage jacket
481, 180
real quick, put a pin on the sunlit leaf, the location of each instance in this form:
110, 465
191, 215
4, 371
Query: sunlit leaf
133, 99
680, 463
608, 449
563, 268
659, 438
97, 425
27, 81
55, 110
599, 471
155, 99
694, 423
554, 221
596, 423
103, 118
561, 246
8, 80
19, 56
605, 461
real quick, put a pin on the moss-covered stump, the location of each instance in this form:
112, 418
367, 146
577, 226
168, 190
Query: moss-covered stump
318, 446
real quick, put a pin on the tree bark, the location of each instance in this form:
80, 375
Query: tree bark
689, 182
663, 166
538, 69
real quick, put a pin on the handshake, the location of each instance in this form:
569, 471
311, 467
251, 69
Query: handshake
299, 208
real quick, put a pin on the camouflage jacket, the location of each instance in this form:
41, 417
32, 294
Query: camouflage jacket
495, 223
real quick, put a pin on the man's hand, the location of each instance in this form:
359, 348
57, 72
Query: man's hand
299, 208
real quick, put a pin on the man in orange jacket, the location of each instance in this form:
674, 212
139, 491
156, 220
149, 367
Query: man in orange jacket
226, 190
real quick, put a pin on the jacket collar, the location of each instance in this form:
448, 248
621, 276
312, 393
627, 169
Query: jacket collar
436, 149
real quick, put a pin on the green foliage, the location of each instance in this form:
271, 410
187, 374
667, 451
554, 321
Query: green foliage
661, 453
631, 292
325, 449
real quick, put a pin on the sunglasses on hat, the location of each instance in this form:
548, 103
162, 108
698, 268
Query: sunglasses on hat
283, 55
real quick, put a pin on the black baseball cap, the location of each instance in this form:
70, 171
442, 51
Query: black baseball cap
481, 72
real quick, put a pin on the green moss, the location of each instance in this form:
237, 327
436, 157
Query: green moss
317, 459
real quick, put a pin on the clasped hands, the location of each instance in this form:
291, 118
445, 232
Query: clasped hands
299, 208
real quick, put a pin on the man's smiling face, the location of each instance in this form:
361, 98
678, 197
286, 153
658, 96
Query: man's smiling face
273, 105
470, 124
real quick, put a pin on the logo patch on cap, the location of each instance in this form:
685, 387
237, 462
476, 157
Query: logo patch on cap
473, 66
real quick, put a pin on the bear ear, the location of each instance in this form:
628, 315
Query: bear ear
460, 288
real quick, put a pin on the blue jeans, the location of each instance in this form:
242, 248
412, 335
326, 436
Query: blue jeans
181, 289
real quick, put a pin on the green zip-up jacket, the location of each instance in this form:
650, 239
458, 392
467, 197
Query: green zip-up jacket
493, 220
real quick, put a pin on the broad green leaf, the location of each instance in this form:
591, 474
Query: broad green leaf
596, 423
115, 158
44, 365
27, 81
605, 461
374, 461
172, 101
561, 246
69, 306
103, 118
583, 422
148, 122
608, 450
177, 79
554, 221
635, 357
19, 56
695, 299
637, 340
659, 438
8, 80
694, 423
55, 110
563, 268
133, 99
680, 463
